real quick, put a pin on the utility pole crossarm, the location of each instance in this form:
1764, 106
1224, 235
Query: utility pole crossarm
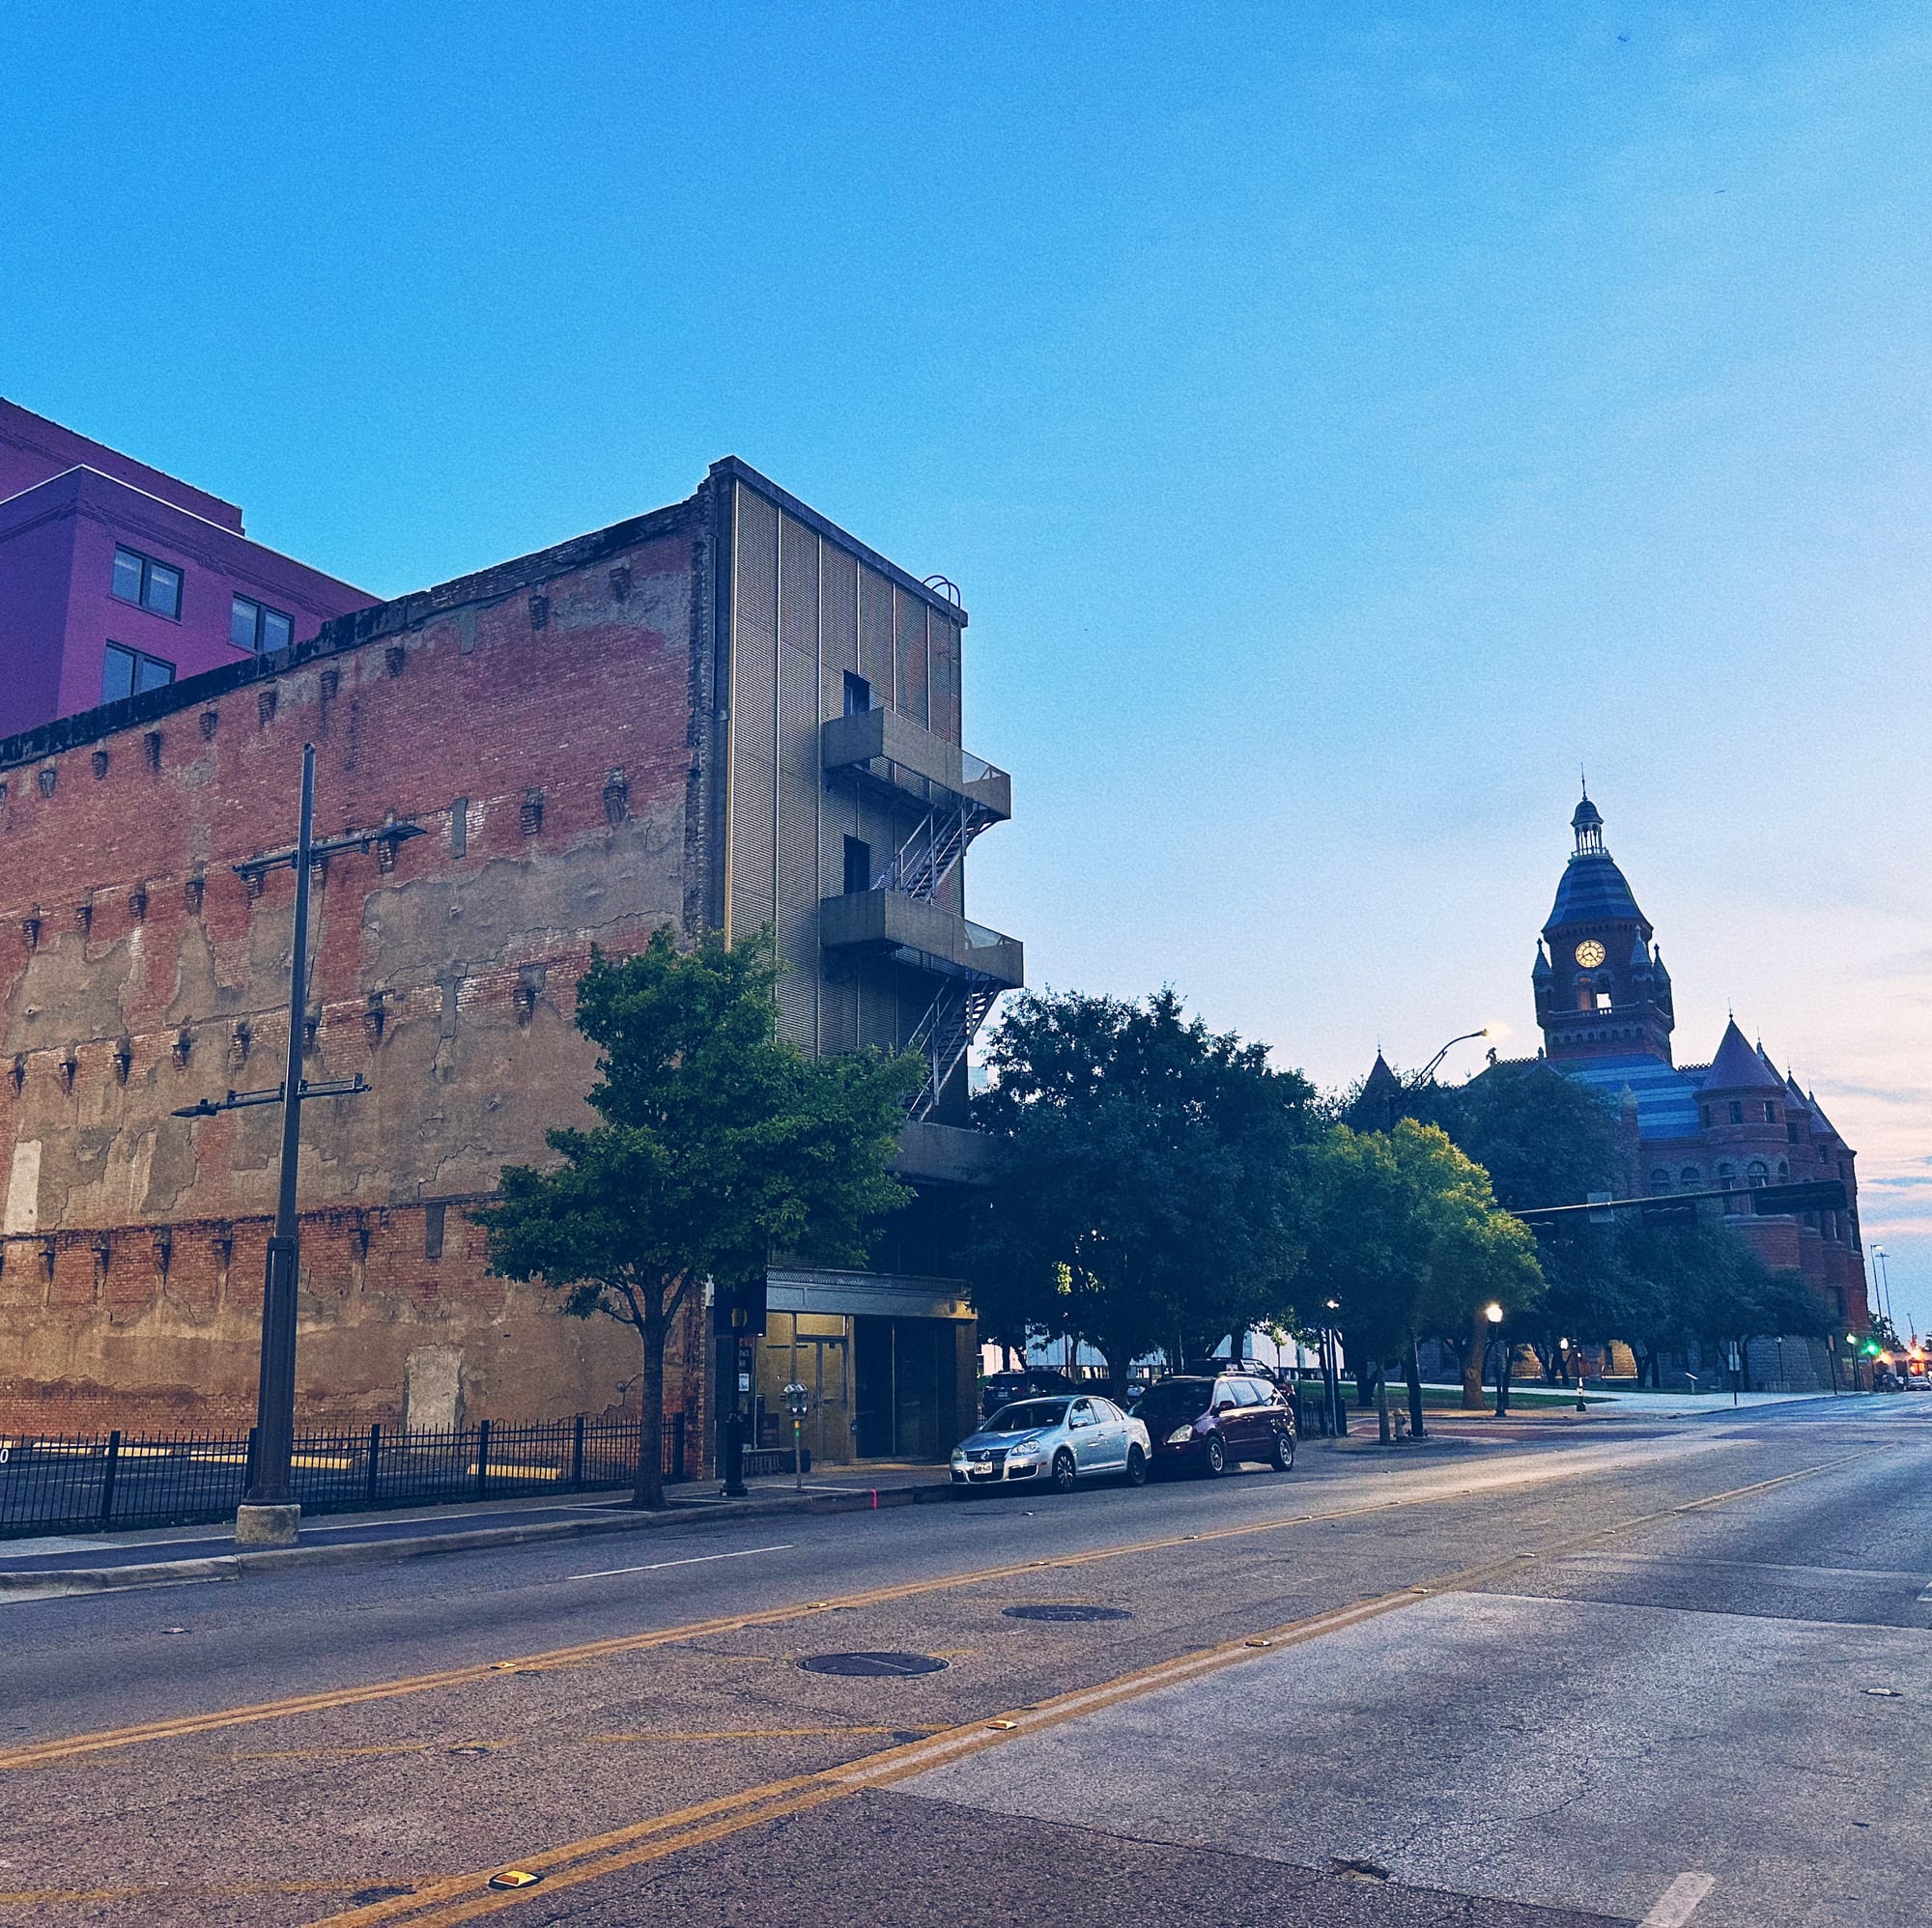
395, 831
326, 1087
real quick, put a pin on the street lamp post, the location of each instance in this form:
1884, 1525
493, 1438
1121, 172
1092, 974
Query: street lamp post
1573, 1360
1331, 1372
1494, 1313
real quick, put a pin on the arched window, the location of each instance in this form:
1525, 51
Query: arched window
1690, 1175
1725, 1175
1660, 1180
1783, 1170
1758, 1173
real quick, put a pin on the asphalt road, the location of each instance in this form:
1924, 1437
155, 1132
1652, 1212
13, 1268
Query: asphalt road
1604, 1672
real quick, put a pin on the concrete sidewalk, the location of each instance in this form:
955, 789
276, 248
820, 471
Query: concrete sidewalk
58, 1565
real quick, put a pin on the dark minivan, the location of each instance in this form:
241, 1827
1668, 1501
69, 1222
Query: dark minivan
1204, 1425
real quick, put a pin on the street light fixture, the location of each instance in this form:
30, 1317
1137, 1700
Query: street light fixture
1429, 1070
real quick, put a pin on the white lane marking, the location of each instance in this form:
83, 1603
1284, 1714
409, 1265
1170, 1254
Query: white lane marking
696, 1560
1926, 1599
1676, 1905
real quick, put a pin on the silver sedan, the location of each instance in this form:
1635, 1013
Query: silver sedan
1056, 1443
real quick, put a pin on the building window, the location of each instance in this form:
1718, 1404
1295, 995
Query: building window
154, 585
1660, 1180
1689, 1176
1770, 1112
1737, 1110
1791, 1130
858, 695
1707, 1117
1783, 1171
1602, 998
858, 864
1757, 1173
253, 625
127, 673
1725, 1177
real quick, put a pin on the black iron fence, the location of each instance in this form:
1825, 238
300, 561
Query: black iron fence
89, 1482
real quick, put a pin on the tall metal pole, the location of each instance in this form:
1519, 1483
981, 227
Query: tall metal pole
275, 1394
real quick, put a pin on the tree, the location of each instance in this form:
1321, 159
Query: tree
719, 1145
1144, 1187
1545, 1139
1406, 1236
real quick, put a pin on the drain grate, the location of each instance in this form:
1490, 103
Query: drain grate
891, 1665
1065, 1609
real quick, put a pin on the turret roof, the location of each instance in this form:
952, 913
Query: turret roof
1738, 1068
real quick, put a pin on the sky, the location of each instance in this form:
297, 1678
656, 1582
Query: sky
1345, 423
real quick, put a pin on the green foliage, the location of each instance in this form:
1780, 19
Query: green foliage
1544, 1138
1406, 1238
1145, 1186
719, 1145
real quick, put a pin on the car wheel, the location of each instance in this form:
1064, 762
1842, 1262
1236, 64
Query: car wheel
1062, 1472
1281, 1455
1137, 1467
1215, 1461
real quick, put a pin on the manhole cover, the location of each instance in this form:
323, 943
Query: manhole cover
1065, 1609
895, 1664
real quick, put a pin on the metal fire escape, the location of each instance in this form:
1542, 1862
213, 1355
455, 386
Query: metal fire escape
926, 857
956, 796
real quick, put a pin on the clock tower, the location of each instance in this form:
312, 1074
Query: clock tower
1602, 990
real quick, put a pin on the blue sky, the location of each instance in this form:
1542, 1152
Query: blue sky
1343, 423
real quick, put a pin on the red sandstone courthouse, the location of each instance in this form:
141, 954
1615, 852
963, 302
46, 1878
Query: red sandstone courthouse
720, 715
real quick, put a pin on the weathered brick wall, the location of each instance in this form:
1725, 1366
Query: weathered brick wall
539, 724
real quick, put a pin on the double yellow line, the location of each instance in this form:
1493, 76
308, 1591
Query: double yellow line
44, 1753
465, 1897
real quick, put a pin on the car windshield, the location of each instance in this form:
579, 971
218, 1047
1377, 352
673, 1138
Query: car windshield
1173, 1399
1028, 1416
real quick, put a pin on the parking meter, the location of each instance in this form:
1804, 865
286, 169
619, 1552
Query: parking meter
798, 1403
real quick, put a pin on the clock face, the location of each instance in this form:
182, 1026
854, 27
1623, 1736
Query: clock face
1589, 953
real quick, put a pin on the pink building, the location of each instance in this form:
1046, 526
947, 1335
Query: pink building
115, 579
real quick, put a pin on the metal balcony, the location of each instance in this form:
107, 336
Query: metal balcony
889, 748
922, 935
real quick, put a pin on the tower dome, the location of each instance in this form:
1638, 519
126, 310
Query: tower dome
1602, 994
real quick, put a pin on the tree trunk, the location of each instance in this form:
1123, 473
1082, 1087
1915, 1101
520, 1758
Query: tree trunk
649, 1491
1413, 1365
1382, 1404
1472, 1362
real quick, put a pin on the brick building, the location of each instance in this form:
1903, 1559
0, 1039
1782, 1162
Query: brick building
721, 714
1604, 1004
115, 577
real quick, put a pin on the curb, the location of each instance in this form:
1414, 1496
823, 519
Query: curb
58, 1582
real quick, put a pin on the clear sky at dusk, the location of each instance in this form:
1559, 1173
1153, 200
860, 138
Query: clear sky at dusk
1343, 423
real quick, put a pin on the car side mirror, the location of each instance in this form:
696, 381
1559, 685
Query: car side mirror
1226, 1406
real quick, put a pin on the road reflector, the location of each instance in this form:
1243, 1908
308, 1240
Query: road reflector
1257, 1643
514, 1878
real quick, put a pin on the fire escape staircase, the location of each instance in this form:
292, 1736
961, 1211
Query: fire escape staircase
956, 796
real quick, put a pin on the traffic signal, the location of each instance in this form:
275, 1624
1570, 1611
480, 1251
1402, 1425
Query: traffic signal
739, 1310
